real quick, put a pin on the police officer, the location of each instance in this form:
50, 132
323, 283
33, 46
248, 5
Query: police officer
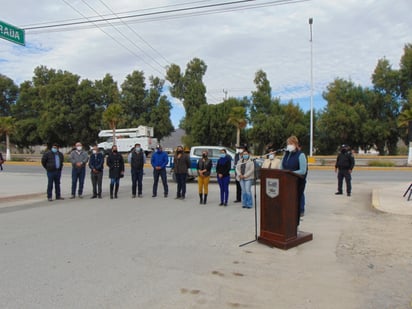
344, 166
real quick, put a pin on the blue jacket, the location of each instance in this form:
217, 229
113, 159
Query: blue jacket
96, 161
159, 159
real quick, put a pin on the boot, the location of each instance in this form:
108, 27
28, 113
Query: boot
204, 199
116, 189
111, 191
201, 199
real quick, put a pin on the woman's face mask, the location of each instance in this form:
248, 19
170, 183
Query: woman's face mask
290, 148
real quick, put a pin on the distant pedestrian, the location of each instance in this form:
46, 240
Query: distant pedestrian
137, 160
344, 166
238, 156
115, 163
1, 161
223, 176
204, 166
181, 163
245, 173
52, 161
159, 161
96, 165
79, 159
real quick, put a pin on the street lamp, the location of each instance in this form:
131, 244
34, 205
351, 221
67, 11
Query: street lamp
311, 92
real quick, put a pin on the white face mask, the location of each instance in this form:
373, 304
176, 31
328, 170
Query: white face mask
290, 148
94, 151
271, 157
79, 148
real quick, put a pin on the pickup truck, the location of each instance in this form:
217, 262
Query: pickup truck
196, 154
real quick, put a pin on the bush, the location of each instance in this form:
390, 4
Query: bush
381, 163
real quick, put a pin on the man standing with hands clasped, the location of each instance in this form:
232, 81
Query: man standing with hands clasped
78, 158
344, 166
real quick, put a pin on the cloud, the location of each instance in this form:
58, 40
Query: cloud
349, 37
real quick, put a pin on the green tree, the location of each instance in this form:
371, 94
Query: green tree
237, 118
405, 72
189, 88
8, 95
133, 95
113, 116
7, 128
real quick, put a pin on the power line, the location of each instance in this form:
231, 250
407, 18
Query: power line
114, 39
212, 10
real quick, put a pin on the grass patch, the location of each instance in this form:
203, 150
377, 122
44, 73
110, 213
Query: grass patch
381, 163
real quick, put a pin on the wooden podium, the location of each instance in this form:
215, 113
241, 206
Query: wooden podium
279, 209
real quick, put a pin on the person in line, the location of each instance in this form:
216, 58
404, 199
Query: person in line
96, 165
204, 166
137, 160
295, 160
238, 156
52, 161
79, 159
181, 163
223, 176
115, 163
159, 161
1, 161
344, 166
245, 173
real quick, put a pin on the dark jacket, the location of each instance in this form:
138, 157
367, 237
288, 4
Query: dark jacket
115, 163
345, 161
137, 160
181, 164
96, 162
223, 166
205, 164
49, 161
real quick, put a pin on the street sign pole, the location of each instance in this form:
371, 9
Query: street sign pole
12, 33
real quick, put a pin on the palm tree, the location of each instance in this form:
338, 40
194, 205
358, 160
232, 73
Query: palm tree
7, 127
113, 115
237, 117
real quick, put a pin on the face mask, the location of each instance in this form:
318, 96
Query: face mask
159, 150
179, 151
239, 150
290, 148
204, 155
94, 151
54, 150
137, 149
115, 150
222, 155
271, 157
79, 148
245, 157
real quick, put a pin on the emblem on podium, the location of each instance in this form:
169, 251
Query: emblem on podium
272, 187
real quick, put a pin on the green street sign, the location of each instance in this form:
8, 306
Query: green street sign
11, 33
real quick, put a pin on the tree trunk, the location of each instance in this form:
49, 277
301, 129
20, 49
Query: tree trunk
8, 157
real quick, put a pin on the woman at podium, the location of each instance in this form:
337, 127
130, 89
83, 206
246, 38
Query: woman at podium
295, 160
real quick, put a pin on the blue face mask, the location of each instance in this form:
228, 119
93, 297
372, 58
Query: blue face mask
245, 157
54, 150
222, 155
137, 149
159, 150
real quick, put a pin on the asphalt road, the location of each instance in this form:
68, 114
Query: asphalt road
167, 253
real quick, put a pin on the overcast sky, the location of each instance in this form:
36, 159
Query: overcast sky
349, 37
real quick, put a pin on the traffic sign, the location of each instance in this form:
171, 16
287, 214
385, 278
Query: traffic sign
11, 33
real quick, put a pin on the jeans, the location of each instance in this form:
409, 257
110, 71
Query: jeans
97, 179
181, 184
246, 185
78, 174
348, 177
162, 174
224, 188
137, 181
53, 178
